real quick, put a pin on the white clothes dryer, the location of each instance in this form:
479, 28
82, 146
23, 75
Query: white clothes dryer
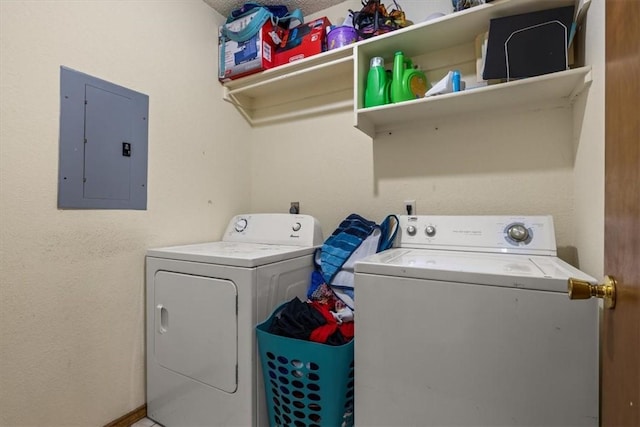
467, 322
203, 303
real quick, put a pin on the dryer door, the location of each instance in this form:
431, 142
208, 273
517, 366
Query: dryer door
196, 328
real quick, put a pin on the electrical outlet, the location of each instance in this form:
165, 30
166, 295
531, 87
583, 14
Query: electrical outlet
410, 207
295, 208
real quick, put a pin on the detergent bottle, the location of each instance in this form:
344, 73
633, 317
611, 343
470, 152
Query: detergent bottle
407, 82
378, 83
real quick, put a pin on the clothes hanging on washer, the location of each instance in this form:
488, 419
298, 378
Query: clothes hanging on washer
344, 241
355, 238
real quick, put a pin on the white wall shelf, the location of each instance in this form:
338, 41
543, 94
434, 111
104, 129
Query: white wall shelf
336, 79
548, 91
312, 85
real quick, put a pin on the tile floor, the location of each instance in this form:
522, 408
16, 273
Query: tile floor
146, 422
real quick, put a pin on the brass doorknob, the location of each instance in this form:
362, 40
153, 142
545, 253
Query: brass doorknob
581, 289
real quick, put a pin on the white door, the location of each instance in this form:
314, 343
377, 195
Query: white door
196, 328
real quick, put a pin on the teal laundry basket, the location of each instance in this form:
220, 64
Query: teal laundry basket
307, 384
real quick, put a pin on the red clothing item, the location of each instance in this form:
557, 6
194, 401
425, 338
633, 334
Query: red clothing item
322, 333
347, 329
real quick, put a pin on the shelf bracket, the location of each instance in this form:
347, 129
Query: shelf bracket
227, 96
586, 83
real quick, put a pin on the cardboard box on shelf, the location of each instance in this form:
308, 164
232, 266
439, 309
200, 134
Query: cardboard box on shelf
239, 59
303, 41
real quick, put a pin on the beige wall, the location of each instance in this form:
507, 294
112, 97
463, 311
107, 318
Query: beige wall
534, 162
589, 150
71, 282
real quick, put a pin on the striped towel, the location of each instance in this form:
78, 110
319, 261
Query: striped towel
344, 241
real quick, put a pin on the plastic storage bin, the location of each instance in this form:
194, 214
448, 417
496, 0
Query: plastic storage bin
307, 384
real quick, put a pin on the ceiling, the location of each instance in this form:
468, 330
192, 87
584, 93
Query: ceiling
224, 7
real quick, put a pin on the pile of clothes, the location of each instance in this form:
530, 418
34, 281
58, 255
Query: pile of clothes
323, 318
327, 314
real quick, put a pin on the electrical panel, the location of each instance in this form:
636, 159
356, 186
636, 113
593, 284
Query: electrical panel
103, 144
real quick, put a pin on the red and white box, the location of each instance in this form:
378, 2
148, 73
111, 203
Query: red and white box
303, 41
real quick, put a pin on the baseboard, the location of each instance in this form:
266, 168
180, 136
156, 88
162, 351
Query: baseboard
130, 418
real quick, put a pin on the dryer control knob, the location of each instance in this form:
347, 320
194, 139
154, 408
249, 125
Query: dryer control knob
297, 226
241, 224
430, 231
518, 232
411, 230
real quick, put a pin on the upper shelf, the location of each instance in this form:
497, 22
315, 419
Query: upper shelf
308, 86
333, 80
452, 29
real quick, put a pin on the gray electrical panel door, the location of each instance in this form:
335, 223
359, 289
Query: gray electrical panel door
103, 144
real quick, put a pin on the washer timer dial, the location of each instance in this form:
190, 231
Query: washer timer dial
517, 233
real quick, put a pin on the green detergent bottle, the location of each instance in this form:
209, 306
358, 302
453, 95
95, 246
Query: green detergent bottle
378, 84
408, 82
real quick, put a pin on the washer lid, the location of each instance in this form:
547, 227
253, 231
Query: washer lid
232, 253
509, 270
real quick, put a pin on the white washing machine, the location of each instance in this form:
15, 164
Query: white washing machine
203, 302
467, 322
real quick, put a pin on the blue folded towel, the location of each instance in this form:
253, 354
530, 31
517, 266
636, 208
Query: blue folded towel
351, 232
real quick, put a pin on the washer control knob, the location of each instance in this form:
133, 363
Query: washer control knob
518, 232
297, 226
411, 230
241, 225
430, 231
